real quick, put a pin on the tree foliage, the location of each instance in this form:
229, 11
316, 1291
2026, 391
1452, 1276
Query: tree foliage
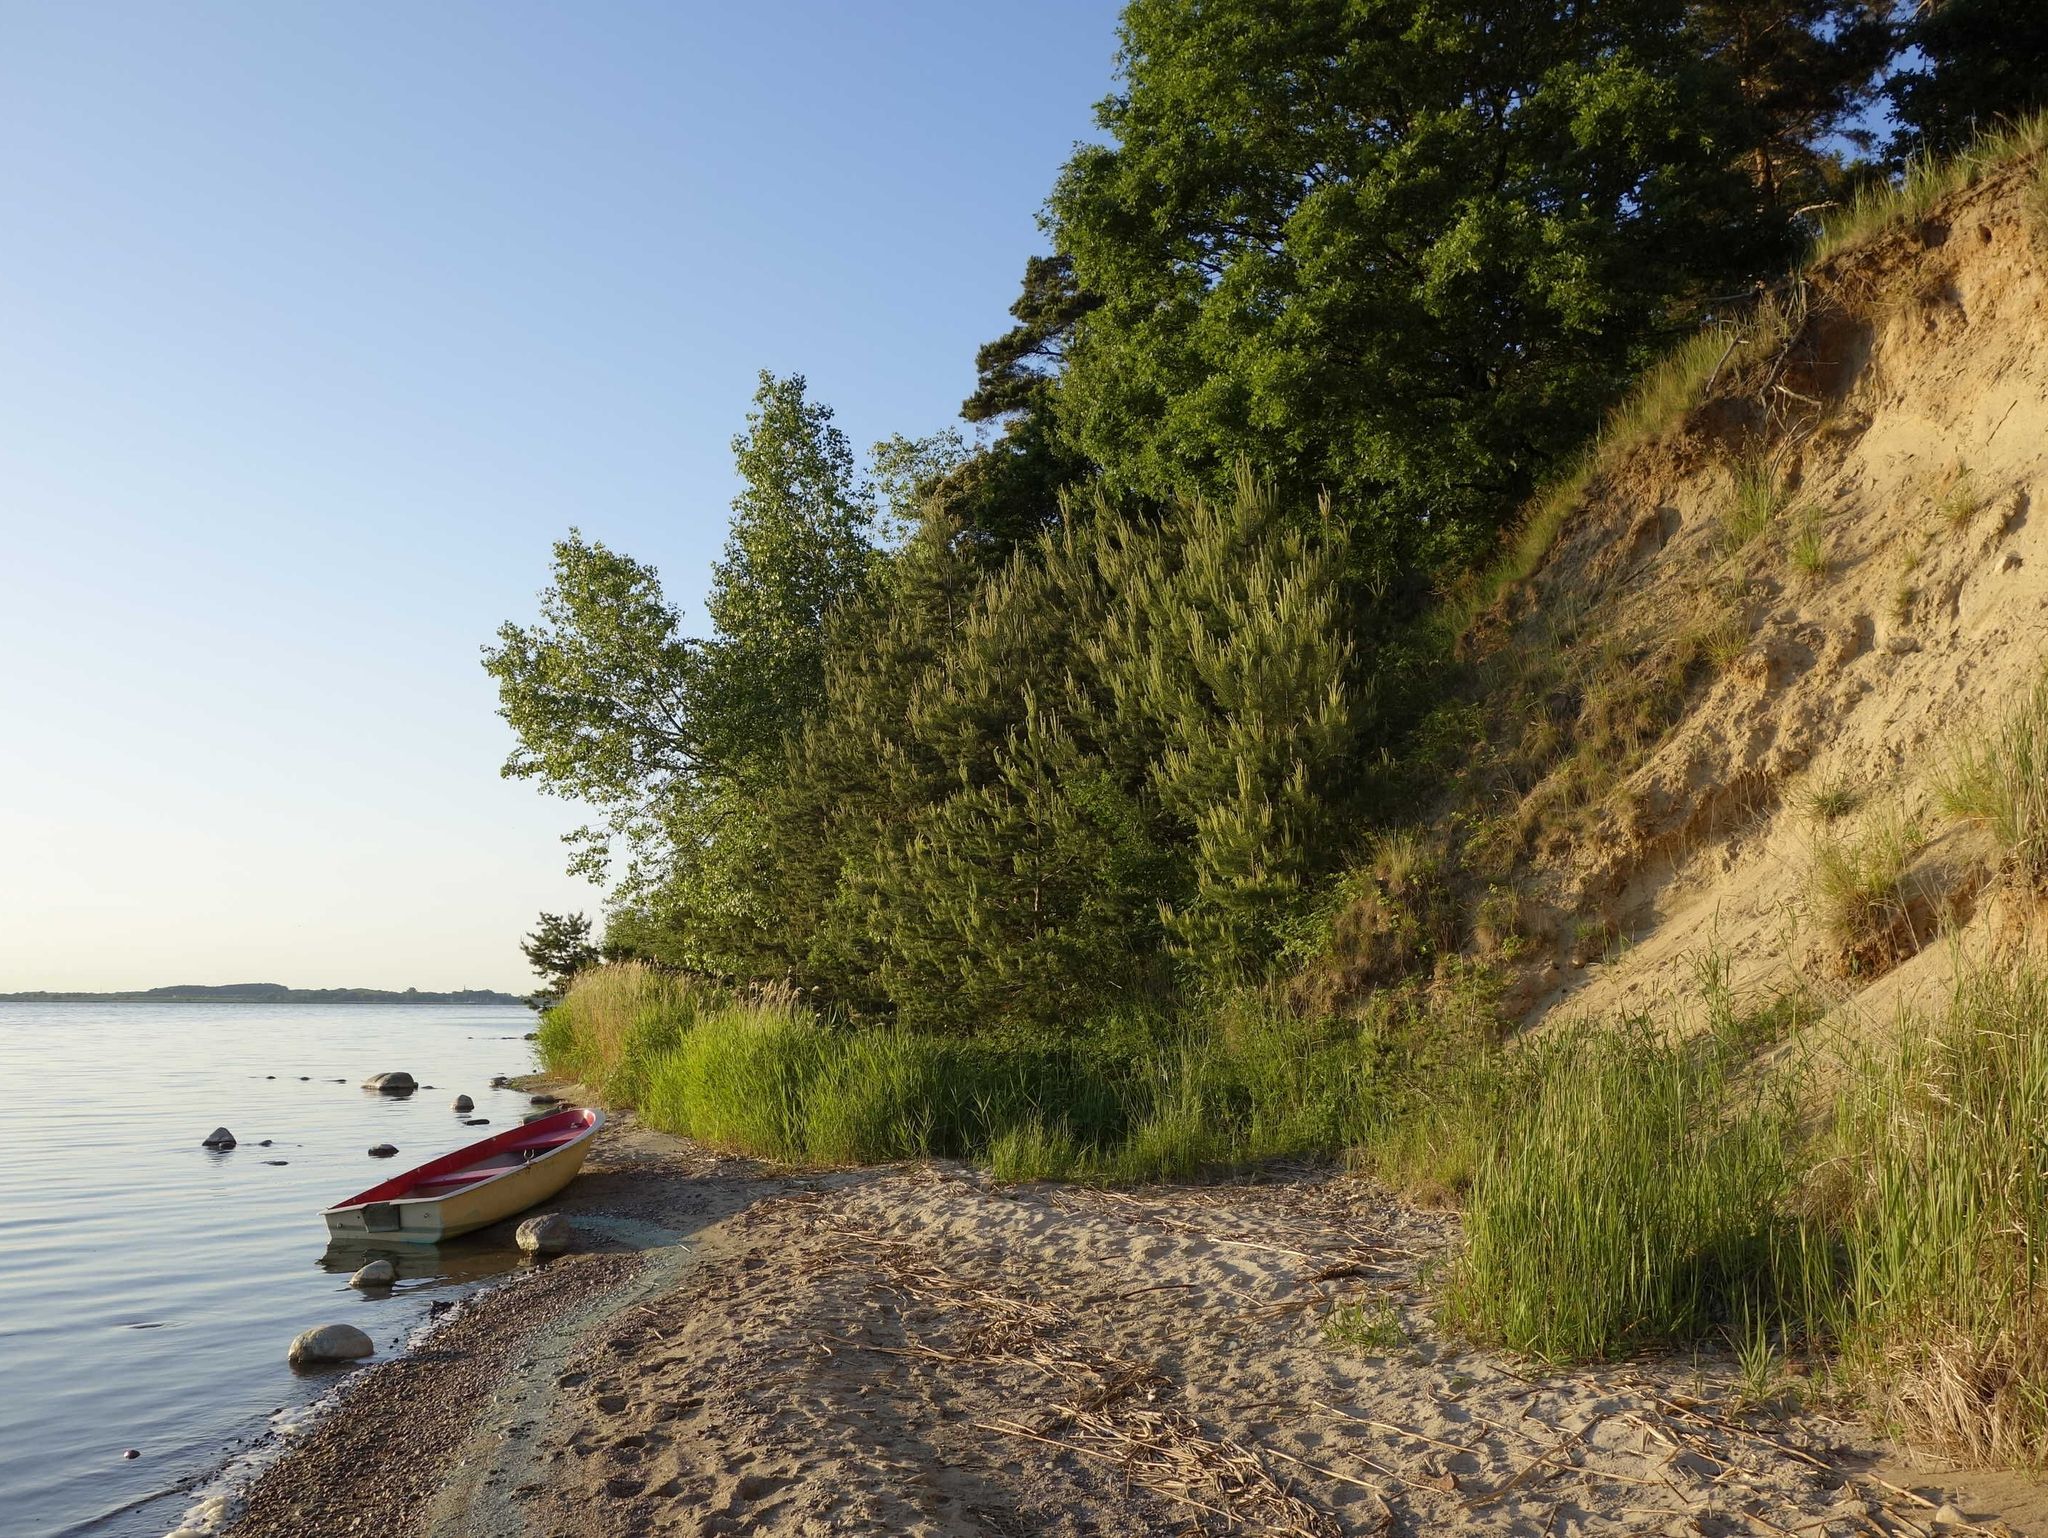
1977, 64
1395, 250
559, 948
1005, 729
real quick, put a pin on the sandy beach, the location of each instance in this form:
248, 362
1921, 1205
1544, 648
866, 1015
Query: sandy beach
917, 1350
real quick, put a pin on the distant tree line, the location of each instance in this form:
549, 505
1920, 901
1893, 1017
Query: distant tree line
990, 730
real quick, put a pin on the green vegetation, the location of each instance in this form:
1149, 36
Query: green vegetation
1141, 790
1832, 800
1961, 500
2001, 780
1753, 505
1631, 1198
1859, 887
1946, 1201
1361, 1326
1136, 1095
1808, 551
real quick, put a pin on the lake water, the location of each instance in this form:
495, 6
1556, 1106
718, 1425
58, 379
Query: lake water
149, 1286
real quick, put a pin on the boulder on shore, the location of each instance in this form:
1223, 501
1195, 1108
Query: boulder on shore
548, 1234
391, 1083
219, 1137
464, 1103
544, 1100
382, 1150
329, 1343
377, 1273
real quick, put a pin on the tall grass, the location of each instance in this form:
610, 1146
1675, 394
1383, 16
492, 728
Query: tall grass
1633, 1196
2000, 779
1947, 1229
1132, 1096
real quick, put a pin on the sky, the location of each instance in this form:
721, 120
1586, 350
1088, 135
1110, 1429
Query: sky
319, 322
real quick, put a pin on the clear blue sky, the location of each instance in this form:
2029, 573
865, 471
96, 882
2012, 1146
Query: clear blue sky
320, 321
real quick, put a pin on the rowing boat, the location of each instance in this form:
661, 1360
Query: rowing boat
473, 1186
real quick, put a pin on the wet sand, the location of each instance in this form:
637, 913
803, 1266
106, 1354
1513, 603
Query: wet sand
920, 1351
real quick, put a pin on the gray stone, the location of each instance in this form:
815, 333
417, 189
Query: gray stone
464, 1103
330, 1343
219, 1137
391, 1083
548, 1234
382, 1150
544, 1100
476, 1121
378, 1273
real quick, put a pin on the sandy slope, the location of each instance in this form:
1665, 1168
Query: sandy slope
918, 1351
1907, 421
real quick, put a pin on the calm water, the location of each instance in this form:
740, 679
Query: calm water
148, 1286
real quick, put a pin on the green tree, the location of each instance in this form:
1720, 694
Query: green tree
798, 547
1399, 251
559, 948
605, 700
1117, 756
1977, 63
1803, 71
674, 739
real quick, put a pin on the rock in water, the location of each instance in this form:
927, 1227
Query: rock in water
219, 1137
476, 1121
464, 1103
548, 1234
382, 1150
544, 1100
391, 1083
378, 1273
498, 1081
330, 1343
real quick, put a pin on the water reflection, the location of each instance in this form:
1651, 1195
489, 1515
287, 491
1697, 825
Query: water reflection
472, 1258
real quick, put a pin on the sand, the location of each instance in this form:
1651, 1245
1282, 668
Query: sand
920, 1351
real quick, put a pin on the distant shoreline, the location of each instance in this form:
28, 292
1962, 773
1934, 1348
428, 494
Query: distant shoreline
266, 993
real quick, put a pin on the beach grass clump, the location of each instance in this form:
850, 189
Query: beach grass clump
1808, 551
1366, 1326
1633, 1197
1831, 800
1859, 885
1755, 500
2000, 779
1947, 1231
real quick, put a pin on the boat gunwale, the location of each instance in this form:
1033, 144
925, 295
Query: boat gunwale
509, 1138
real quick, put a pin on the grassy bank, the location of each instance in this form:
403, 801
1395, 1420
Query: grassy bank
1623, 1188
1135, 1095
